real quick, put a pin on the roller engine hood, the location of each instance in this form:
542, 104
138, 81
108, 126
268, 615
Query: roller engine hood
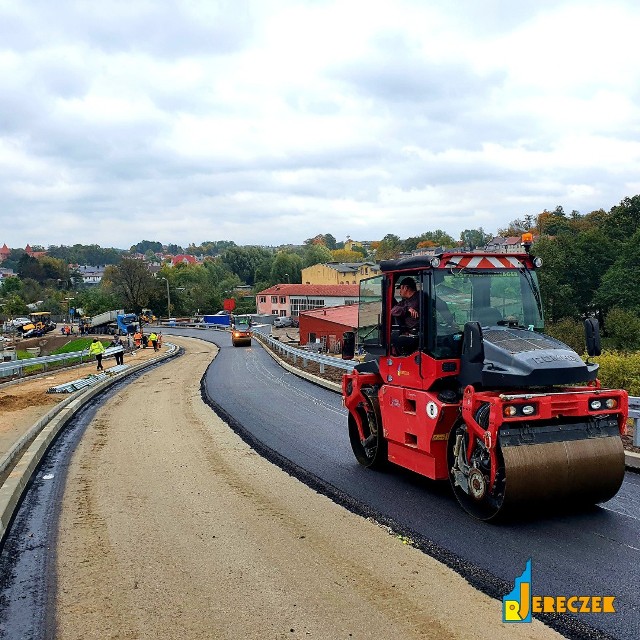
519, 358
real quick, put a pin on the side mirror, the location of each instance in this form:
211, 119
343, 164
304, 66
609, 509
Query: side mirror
472, 343
592, 334
348, 345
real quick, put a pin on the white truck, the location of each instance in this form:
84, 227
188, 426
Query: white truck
105, 318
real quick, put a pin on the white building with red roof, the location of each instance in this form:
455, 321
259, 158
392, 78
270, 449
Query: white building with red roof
291, 299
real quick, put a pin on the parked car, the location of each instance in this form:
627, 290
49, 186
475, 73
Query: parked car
283, 321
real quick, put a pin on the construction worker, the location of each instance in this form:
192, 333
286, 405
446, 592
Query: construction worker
119, 355
137, 339
153, 339
96, 348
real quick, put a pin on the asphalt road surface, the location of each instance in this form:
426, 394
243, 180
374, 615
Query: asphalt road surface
585, 553
150, 518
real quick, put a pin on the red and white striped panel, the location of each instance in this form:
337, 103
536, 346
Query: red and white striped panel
484, 262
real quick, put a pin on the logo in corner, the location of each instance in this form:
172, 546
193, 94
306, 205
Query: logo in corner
516, 606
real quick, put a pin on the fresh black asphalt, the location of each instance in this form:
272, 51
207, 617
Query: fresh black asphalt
594, 552
302, 428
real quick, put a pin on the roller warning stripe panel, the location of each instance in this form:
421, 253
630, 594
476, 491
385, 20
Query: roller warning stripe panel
484, 262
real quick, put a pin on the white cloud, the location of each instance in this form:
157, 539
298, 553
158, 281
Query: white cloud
270, 122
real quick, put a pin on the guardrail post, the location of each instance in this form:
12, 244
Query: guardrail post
636, 432
322, 367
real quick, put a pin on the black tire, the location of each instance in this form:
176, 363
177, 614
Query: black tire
374, 455
487, 508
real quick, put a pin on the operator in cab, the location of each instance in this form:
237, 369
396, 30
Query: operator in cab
406, 311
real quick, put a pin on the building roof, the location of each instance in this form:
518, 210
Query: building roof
346, 314
5, 251
331, 290
183, 257
501, 240
349, 267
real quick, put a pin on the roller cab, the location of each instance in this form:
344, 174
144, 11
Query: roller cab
475, 392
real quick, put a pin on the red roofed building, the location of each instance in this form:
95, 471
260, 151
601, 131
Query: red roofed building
34, 254
4, 252
183, 259
327, 325
291, 299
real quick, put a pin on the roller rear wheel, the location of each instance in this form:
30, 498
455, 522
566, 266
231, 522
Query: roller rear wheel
370, 451
470, 479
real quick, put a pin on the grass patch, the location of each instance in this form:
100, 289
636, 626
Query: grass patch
79, 344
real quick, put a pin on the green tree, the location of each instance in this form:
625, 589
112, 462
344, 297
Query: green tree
287, 267
329, 241
244, 261
146, 245
624, 220
557, 294
620, 285
316, 254
29, 267
10, 286
474, 238
13, 306
132, 282
622, 329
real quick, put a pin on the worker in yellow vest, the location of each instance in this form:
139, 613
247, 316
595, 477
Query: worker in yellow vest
96, 348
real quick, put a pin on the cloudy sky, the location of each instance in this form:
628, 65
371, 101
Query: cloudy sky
270, 121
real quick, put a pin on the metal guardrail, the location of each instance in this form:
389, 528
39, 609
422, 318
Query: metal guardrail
347, 365
634, 414
17, 367
306, 356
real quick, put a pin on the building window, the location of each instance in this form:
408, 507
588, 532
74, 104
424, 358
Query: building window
304, 304
283, 300
263, 298
283, 312
274, 299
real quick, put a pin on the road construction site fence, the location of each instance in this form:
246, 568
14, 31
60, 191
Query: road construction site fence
17, 367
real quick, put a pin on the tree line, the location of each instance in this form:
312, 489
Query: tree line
591, 267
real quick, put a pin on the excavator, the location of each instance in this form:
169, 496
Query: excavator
475, 392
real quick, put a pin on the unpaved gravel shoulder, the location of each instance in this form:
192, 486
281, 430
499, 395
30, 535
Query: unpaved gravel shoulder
23, 403
172, 527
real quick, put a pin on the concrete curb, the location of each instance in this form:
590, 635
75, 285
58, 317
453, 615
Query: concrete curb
321, 382
47, 428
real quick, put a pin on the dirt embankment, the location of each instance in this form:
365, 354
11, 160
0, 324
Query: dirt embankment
172, 527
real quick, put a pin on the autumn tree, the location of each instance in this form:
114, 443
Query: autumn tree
390, 247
